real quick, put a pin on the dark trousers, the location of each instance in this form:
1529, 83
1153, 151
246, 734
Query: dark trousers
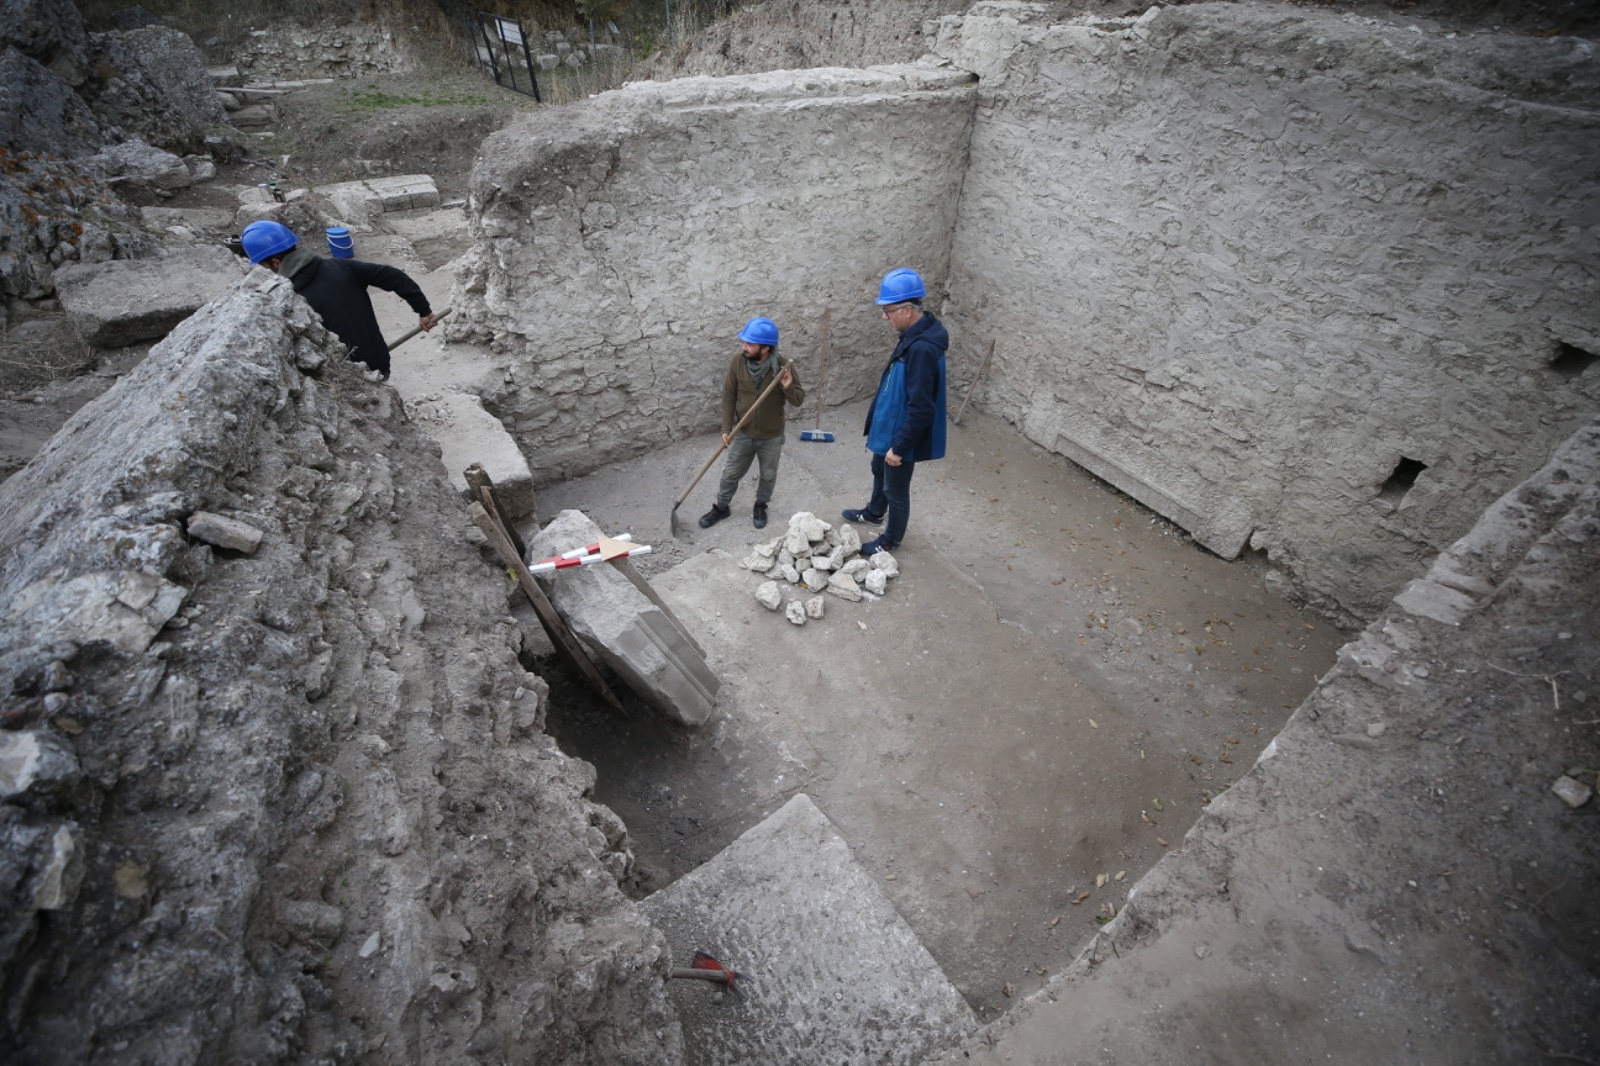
891, 496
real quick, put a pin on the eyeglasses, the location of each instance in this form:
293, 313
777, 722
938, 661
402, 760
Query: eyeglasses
887, 311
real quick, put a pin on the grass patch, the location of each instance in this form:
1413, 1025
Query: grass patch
373, 99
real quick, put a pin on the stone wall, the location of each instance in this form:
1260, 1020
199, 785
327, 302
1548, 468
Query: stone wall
621, 243
1246, 263
338, 48
273, 780
795, 34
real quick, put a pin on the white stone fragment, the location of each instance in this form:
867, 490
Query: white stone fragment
823, 563
844, 586
875, 581
57, 884
370, 946
814, 578
224, 532
849, 539
885, 562
855, 566
814, 607
1573, 793
791, 575
775, 571
795, 612
34, 762
795, 542
769, 595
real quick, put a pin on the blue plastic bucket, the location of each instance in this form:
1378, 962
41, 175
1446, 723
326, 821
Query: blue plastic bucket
340, 243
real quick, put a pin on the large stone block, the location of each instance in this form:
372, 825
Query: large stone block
127, 301
635, 637
836, 975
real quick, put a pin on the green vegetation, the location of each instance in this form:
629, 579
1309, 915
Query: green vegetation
372, 99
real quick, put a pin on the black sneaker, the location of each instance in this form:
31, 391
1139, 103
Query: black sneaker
876, 547
758, 516
715, 515
863, 516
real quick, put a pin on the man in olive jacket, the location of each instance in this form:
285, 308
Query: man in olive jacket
749, 373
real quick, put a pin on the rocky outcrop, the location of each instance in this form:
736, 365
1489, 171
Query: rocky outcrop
69, 92
151, 83
273, 784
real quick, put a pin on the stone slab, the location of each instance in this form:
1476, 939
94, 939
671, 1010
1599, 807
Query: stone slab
634, 637
835, 974
356, 202
468, 434
128, 301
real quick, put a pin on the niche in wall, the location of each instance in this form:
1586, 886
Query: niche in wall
1400, 482
1570, 360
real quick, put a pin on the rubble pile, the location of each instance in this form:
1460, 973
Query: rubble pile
816, 556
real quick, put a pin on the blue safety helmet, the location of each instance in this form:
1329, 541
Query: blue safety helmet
760, 331
901, 285
264, 239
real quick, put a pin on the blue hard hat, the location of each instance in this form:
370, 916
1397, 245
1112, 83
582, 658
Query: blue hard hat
760, 331
901, 285
264, 239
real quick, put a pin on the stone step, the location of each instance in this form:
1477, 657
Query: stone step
834, 974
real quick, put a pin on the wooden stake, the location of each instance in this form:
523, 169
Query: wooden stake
562, 637
974, 384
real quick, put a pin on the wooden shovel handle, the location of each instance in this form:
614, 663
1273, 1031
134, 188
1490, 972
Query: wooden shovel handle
740, 425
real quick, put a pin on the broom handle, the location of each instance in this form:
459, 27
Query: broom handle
822, 369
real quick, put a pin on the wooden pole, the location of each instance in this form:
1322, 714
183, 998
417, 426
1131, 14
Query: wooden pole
562, 637
974, 384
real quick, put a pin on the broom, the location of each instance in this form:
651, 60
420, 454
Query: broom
819, 434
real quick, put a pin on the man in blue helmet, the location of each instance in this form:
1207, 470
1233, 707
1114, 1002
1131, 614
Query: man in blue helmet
906, 422
336, 289
750, 371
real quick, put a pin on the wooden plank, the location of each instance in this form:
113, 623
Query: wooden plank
554, 625
483, 491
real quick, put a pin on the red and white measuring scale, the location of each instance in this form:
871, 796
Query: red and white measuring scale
602, 550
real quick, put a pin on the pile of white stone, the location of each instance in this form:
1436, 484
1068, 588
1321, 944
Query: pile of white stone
814, 555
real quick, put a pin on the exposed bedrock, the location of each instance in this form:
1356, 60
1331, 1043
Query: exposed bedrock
285, 796
621, 243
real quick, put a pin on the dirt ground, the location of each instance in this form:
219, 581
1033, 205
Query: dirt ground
1051, 691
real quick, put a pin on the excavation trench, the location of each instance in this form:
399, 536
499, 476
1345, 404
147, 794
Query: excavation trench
1046, 697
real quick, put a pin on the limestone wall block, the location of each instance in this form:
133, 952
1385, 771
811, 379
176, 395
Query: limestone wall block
1247, 264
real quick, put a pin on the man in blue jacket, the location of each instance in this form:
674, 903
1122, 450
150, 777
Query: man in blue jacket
906, 422
336, 289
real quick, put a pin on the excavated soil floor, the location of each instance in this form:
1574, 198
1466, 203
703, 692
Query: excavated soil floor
1055, 685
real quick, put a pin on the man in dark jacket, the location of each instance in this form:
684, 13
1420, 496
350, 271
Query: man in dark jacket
906, 422
336, 289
